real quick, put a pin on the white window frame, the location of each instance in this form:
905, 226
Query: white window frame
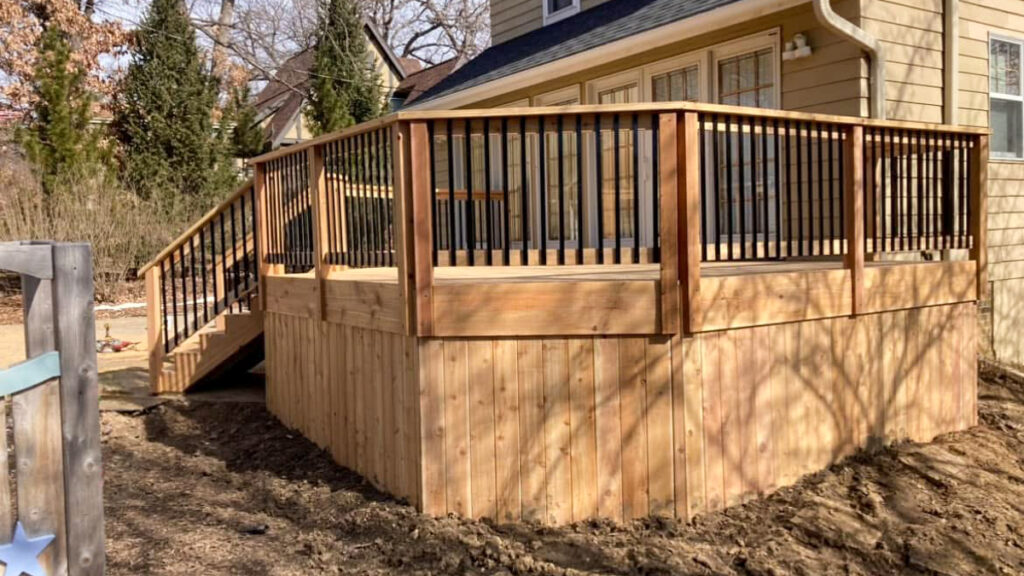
681, 62
561, 97
1007, 97
768, 39
615, 81
552, 17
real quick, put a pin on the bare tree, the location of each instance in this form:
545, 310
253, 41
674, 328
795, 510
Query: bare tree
432, 30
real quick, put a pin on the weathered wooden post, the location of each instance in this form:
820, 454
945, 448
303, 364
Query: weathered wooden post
56, 413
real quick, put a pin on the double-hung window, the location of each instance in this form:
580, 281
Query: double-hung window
1006, 98
555, 10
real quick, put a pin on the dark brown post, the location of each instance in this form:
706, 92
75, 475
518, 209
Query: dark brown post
853, 188
689, 221
668, 186
979, 211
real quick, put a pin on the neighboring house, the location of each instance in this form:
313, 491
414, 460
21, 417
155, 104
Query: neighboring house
280, 102
939, 61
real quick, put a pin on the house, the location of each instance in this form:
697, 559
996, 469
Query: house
279, 105
640, 257
938, 61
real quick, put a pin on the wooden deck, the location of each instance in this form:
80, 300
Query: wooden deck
407, 333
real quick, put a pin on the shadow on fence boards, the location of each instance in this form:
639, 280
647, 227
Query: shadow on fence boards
51, 510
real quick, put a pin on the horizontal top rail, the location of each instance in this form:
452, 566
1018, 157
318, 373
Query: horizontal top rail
649, 107
30, 259
206, 219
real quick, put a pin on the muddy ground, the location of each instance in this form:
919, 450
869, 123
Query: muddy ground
222, 488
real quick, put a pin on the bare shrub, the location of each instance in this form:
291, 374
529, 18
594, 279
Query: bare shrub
123, 229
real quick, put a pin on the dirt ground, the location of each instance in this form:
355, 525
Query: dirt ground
205, 487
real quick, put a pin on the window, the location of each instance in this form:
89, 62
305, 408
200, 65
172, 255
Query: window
555, 10
1006, 97
676, 86
748, 79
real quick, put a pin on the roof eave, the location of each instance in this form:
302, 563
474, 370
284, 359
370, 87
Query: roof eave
714, 19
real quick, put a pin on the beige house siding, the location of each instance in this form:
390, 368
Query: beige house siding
834, 79
511, 18
911, 33
978, 19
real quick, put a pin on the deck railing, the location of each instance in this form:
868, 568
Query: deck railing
209, 269
619, 184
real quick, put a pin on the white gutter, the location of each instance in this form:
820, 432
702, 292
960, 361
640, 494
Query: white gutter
846, 29
709, 21
951, 61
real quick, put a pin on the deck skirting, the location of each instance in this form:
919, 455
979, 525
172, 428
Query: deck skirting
611, 419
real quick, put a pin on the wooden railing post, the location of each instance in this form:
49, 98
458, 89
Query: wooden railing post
668, 186
317, 198
262, 231
853, 189
154, 326
979, 212
689, 221
414, 233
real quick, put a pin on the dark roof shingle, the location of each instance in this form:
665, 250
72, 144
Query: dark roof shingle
605, 23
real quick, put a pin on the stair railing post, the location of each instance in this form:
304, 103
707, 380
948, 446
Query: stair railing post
154, 326
262, 230
853, 189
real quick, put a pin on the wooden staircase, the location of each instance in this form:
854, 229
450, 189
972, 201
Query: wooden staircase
202, 298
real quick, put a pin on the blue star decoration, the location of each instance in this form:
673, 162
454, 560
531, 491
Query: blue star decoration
21, 555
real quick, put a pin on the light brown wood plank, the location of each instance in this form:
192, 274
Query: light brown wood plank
713, 408
557, 432
531, 429
432, 427
584, 434
506, 430
658, 416
608, 425
481, 414
456, 420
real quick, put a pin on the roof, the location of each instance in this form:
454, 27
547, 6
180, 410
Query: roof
605, 23
415, 84
282, 97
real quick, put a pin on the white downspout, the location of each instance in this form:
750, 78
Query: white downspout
843, 27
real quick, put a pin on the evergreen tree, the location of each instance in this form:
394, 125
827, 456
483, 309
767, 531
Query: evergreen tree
58, 141
344, 86
163, 111
247, 138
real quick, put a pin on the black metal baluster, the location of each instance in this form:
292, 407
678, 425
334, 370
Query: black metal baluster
636, 190
224, 259
470, 232
600, 188
778, 188
705, 224
542, 201
195, 291
213, 263
174, 298
505, 196
764, 187
842, 192
368, 145
655, 190
963, 143
524, 194
579, 189
434, 209
821, 191
163, 303
789, 187
754, 190
561, 191
202, 267
728, 185
921, 237
800, 189
489, 226
617, 259
717, 196
184, 292
451, 195
234, 250
831, 192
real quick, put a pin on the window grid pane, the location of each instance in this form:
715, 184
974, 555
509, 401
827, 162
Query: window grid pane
747, 80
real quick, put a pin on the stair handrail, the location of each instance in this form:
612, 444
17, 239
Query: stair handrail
194, 228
